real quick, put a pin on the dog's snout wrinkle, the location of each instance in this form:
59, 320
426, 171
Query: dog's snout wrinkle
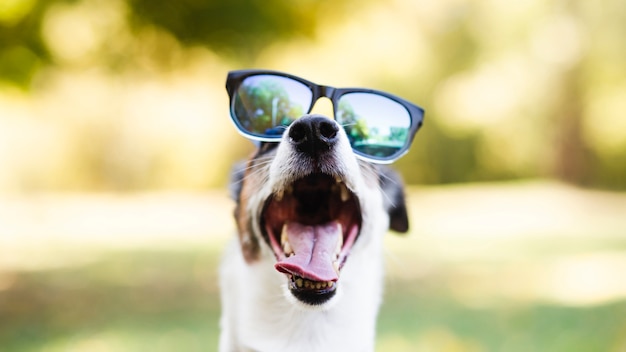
313, 135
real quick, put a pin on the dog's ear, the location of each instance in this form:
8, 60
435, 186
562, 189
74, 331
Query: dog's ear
394, 200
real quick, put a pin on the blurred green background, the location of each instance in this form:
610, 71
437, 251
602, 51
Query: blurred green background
116, 146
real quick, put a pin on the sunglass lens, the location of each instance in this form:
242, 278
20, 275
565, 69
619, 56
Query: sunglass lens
376, 126
264, 105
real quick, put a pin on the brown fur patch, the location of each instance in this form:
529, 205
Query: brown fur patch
249, 242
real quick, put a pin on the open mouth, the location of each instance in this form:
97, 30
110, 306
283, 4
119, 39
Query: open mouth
311, 226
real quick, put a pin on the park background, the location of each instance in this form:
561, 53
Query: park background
116, 146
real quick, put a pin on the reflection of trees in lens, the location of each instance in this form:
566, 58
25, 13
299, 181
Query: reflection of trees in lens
262, 105
356, 129
398, 134
366, 139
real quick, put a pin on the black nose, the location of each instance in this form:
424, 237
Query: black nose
313, 135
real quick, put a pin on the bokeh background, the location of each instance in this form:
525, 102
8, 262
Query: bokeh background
116, 148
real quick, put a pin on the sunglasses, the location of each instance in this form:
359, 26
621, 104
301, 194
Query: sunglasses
380, 126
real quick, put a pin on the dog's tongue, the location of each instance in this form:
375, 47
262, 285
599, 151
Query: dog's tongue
314, 251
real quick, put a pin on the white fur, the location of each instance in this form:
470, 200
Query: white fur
258, 311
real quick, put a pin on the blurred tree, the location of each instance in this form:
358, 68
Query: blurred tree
237, 29
578, 49
450, 158
22, 49
602, 26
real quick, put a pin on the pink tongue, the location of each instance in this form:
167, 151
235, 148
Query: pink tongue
314, 248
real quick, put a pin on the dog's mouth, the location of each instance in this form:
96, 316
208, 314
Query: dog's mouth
311, 225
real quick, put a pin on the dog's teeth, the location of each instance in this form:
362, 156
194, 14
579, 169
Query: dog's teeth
337, 179
339, 240
344, 193
283, 235
284, 241
336, 267
300, 282
279, 195
288, 250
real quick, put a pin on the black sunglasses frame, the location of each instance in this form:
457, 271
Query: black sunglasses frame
416, 113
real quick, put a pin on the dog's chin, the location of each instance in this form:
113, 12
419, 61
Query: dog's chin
311, 226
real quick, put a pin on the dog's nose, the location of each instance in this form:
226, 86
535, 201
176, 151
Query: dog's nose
313, 134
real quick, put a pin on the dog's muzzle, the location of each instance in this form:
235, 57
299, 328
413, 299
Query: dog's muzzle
312, 222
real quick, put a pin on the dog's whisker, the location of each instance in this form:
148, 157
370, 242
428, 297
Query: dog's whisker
261, 160
261, 167
260, 171
262, 180
373, 177
386, 196
390, 179
254, 173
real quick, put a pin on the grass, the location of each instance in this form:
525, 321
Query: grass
168, 301
499, 291
127, 301
429, 320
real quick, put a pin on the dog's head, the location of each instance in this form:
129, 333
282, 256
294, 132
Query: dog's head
313, 195
308, 203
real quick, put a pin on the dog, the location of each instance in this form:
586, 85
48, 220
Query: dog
305, 272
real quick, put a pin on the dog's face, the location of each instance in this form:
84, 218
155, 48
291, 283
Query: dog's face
307, 203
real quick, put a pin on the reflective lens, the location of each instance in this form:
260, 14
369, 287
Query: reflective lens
377, 126
265, 104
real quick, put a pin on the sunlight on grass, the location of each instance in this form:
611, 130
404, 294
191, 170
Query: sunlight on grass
101, 343
440, 339
130, 340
